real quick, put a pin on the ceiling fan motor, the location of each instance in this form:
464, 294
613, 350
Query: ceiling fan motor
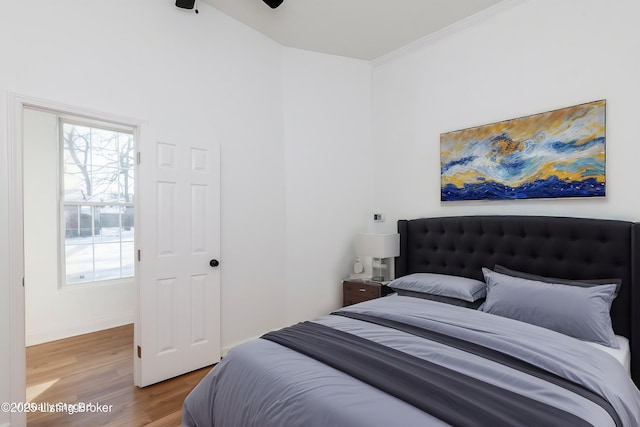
273, 3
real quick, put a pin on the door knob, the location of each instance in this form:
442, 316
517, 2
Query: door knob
214, 263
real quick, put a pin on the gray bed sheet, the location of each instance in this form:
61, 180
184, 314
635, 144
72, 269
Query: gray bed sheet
263, 384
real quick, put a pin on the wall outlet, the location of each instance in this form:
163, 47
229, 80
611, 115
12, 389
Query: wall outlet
378, 217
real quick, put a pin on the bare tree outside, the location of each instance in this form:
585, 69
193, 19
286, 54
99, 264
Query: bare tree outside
98, 189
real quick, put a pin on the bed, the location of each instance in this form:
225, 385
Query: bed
404, 360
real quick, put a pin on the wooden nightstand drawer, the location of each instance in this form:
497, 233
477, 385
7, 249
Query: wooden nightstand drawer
362, 290
354, 291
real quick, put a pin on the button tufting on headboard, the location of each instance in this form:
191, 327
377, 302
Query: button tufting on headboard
572, 248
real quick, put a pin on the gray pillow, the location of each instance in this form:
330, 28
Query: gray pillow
439, 298
580, 312
462, 288
584, 283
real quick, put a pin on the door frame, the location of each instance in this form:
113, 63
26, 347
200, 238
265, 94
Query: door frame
16, 104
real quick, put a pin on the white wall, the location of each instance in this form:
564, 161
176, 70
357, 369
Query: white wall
327, 107
521, 58
207, 77
53, 312
189, 77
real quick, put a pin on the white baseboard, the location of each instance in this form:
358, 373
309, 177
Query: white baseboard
60, 331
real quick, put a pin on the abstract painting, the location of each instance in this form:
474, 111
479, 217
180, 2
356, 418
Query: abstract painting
559, 153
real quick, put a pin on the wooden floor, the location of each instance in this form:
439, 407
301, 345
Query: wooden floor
98, 368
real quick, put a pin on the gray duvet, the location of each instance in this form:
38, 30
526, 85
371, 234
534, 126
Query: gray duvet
263, 384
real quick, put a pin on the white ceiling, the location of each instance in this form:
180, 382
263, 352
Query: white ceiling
364, 29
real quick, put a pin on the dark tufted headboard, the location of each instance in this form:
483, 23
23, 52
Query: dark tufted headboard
571, 248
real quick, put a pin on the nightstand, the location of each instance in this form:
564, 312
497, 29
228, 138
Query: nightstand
355, 291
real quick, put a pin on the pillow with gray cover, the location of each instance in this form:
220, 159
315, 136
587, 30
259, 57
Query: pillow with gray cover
580, 312
584, 283
444, 285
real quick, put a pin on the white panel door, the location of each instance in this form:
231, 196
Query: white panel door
178, 328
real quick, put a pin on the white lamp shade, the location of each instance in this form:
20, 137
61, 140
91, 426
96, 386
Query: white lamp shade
378, 245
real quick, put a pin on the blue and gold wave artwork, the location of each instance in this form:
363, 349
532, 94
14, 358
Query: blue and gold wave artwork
559, 153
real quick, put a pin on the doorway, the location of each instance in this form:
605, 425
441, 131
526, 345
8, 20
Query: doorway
19, 110
79, 227
177, 318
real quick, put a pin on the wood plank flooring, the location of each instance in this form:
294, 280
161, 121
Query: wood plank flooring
98, 368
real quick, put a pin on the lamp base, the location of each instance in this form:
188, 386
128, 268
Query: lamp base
381, 269
377, 273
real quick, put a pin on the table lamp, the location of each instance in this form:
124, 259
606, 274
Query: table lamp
381, 248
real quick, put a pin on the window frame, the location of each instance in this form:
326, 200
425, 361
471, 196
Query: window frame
61, 232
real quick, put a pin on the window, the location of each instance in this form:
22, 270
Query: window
97, 202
